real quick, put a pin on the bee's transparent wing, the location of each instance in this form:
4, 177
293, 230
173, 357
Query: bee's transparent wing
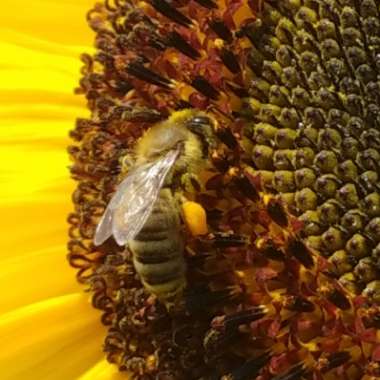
133, 201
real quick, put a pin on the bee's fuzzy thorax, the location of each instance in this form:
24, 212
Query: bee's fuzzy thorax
173, 133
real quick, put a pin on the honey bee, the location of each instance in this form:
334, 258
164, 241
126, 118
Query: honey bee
145, 211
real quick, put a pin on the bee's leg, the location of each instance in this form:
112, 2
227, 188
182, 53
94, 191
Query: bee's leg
193, 215
224, 240
180, 198
190, 183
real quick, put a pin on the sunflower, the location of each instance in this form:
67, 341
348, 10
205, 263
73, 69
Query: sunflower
272, 307
292, 86
47, 328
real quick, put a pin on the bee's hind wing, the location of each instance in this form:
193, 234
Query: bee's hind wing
133, 201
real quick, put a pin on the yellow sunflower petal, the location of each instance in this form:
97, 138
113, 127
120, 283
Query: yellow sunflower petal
31, 281
59, 21
37, 110
48, 331
103, 371
29, 226
58, 338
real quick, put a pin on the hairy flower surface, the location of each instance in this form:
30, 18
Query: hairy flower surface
285, 285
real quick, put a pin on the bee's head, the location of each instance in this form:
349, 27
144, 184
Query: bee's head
204, 127
175, 132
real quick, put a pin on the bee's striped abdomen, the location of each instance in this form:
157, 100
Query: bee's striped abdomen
158, 249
